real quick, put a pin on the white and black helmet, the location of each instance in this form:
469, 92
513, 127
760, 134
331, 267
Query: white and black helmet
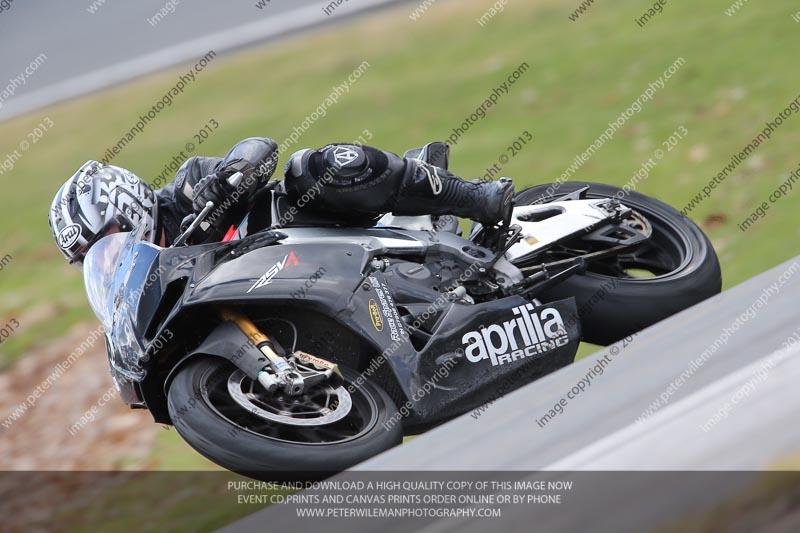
97, 200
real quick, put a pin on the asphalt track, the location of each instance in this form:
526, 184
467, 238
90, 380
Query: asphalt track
732, 409
87, 51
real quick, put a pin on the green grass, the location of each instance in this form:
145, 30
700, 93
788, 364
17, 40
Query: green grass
425, 78
170, 452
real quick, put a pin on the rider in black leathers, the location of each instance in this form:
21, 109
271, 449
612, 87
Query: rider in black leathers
351, 184
349, 181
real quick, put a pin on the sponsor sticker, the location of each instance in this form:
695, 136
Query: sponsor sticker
289, 260
528, 333
387, 309
69, 236
375, 315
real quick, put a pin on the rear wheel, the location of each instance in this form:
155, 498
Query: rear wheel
234, 422
617, 296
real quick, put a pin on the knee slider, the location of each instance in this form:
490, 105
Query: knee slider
346, 160
340, 165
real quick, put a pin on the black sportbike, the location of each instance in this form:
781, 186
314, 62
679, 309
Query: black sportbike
301, 346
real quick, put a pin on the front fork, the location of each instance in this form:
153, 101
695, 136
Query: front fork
281, 371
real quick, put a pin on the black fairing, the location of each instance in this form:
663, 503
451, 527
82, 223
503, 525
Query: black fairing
433, 380
438, 380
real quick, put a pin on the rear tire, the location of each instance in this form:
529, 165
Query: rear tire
196, 404
614, 307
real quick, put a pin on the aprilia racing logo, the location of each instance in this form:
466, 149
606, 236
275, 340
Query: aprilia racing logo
266, 279
526, 335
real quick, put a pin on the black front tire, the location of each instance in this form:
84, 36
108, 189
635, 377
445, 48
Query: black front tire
612, 308
247, 452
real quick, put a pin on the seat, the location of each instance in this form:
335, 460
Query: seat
283, 216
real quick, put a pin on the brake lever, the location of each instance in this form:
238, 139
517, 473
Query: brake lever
198, 219
234, 180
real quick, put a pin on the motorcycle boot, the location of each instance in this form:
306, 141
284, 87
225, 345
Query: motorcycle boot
433, 190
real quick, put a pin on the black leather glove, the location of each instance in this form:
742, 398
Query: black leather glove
213, 188
230, 189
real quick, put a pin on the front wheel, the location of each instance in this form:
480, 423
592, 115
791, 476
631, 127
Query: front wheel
235, 423
673, 270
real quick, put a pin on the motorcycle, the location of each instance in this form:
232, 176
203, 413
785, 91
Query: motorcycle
300, 346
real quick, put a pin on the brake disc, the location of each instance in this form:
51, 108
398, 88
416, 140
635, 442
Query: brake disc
291, 410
